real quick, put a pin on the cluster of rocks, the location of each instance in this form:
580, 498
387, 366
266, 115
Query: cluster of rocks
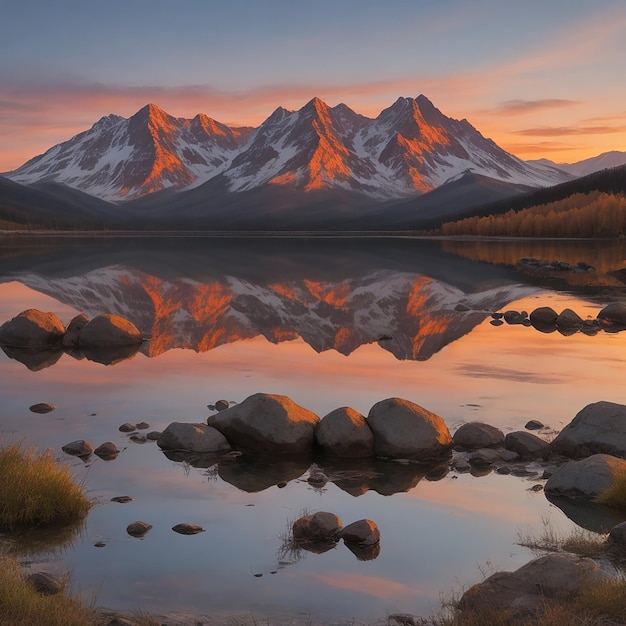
322, 531
543, 267
612, 318
34, 338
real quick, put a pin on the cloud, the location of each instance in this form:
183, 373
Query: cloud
520, 107
568, 131
538, 148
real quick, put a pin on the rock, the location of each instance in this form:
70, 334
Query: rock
122, 499
544, 318
617, 538
515, 317
508, 455
497, 322
109, 331
107, 451
80, 447
461, 308
187, 529
613, 315
127, 428
317, 478
599, 427
345, 432
32, 329
527, 445
569, 320
42, 407
267, 423
484, 457
138, 529
318, 527
221, 405
364, 551
72, 332
192, 438
477, 435
46, 584
362, 532
153, 435
142, 426
553, 577
587, 478
404, 430
534, 425
135, 438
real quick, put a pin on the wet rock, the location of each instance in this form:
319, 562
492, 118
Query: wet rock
515, 317
187, 529
504, 470
320, 526
192, 438
109, 331
221, 405
587, 478
362, 532
461, 466
42, 407
553, 577
617, 538
72, 332
142, 426
345, 432
122, 499
46, 584
497, 322
534, 425
569, 320
612, 316
127, 428
599, 427
544, 318
477, 435
107, 451
497, 316
32, 329
135, 438
267, 423
527, 445
153, 435
138, 529
404, 430
508, 455
80, 447
484, 457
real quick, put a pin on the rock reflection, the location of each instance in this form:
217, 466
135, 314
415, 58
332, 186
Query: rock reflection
589, 515
35, 359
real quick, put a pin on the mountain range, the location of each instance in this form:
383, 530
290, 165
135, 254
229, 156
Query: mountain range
318, 167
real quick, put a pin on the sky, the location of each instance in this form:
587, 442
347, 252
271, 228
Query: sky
542, 78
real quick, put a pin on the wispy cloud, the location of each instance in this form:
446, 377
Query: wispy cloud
521, 107
566, 131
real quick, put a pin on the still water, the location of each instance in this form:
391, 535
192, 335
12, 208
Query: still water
330, 323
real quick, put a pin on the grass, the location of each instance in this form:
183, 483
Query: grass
615, 495
36, 490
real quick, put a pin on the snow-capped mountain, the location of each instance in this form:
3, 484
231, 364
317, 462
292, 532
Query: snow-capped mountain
603, 161
121, 159
410, 148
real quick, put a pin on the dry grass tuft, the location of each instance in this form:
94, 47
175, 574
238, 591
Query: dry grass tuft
36, 490
615, 495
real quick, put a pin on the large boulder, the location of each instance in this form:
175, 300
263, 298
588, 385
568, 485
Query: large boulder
32, 329
192, 438
108, 331
559, 577
404, 430
587, 478
598, 428
475, 435
345, 432
267, 423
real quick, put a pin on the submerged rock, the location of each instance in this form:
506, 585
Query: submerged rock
404, 430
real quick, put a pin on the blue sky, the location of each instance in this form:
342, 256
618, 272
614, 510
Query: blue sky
540, 78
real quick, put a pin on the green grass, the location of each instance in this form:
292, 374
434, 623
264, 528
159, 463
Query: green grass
615, 495
36, 490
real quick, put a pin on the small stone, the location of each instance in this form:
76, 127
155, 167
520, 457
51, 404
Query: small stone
138, 529
363, 532
142, 426
122, 499
138, 438
497, 322
504, 470
80, 447
534, 425
536, 488
107, 451
153, 435
187, 529
42, 407
127, 428
220, 405
99, 544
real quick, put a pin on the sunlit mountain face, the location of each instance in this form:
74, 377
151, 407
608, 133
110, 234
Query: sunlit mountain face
332, 302
410, 148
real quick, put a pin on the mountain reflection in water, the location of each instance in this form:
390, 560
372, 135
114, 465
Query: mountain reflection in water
334, 294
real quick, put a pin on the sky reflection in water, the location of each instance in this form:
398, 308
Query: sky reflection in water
432, 535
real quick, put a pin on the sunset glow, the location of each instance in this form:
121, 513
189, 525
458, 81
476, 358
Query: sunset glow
540, 80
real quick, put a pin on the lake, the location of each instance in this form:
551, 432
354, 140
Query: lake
329, 322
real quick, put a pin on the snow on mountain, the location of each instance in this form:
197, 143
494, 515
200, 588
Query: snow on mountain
121, 159
410, 148
603, 161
